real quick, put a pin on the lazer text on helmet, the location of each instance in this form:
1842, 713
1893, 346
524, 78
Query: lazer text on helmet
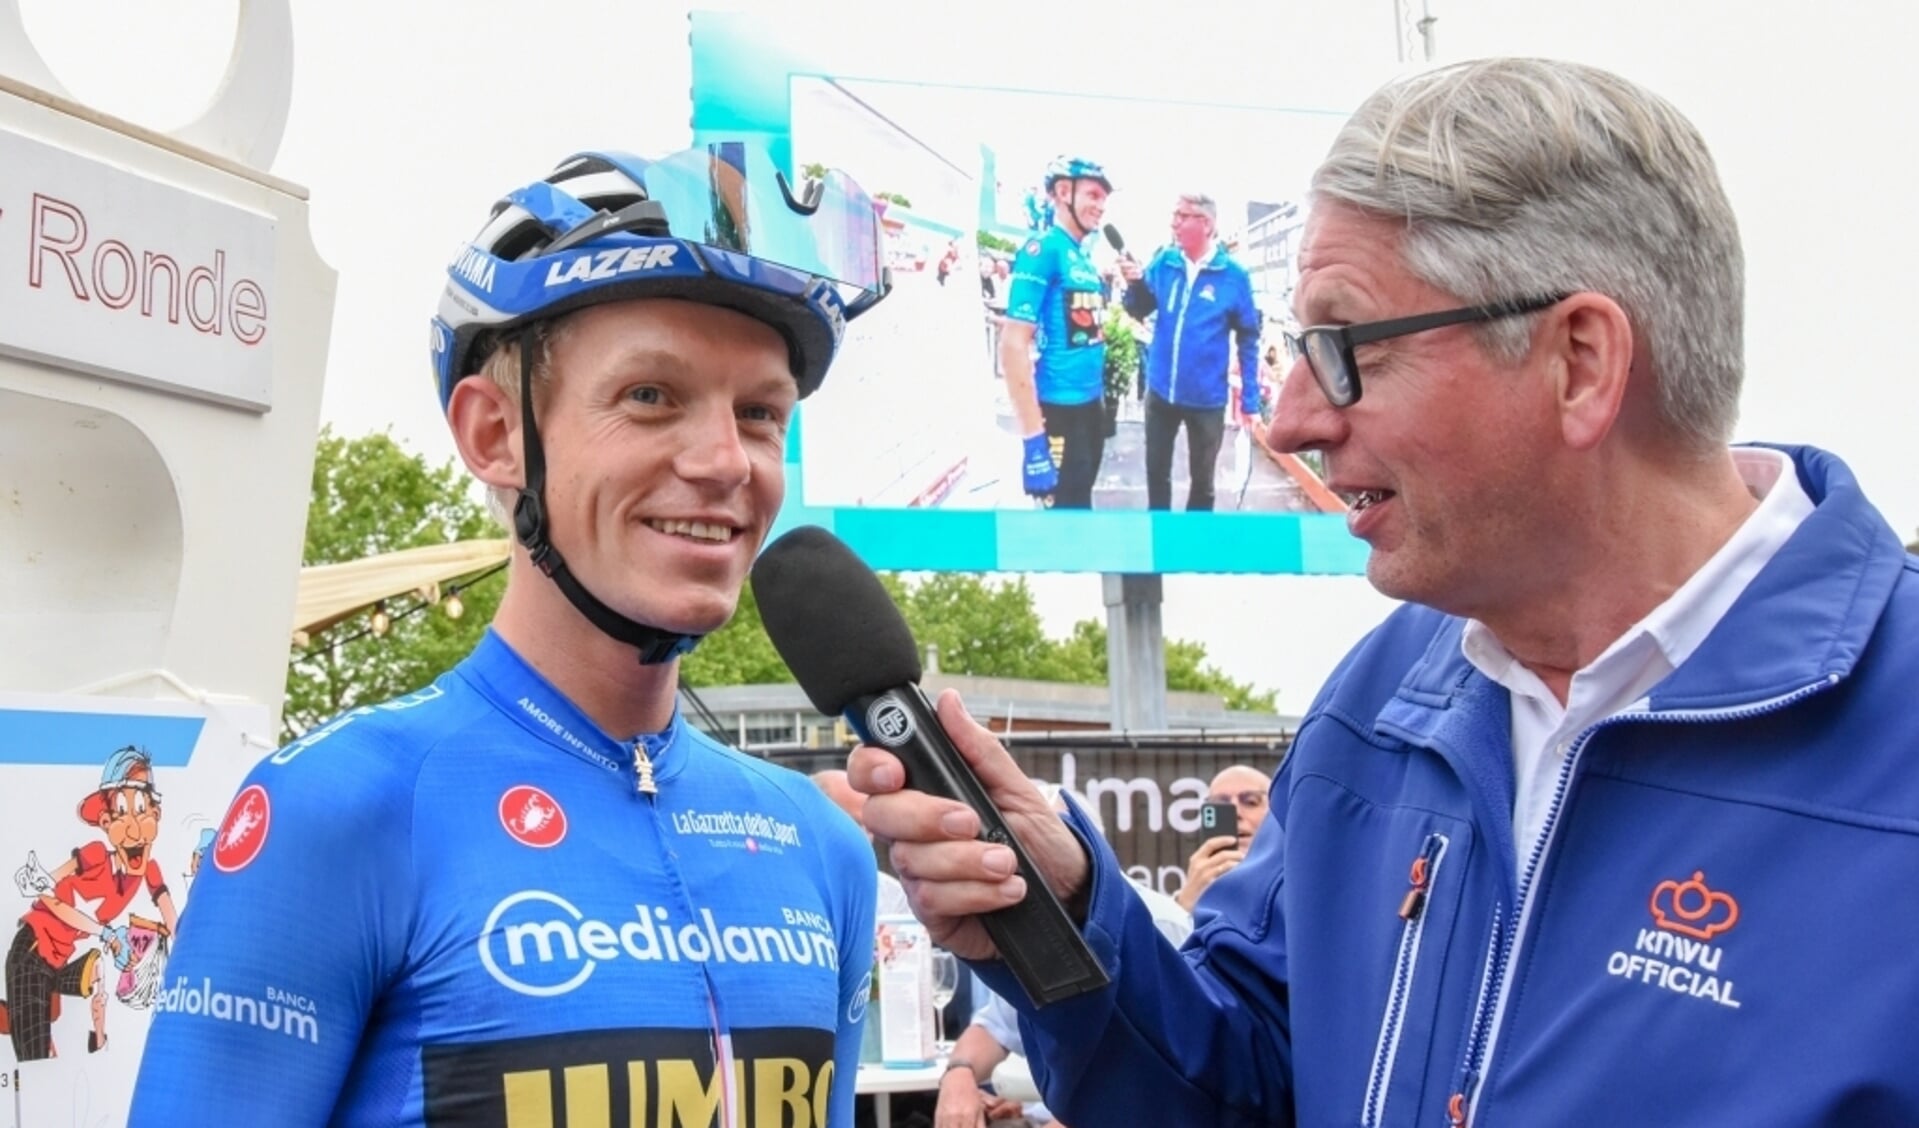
610, 263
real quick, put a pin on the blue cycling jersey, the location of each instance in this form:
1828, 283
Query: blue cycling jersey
1056, 288
470, 906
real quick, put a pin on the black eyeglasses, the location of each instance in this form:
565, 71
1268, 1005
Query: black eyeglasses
1328, 349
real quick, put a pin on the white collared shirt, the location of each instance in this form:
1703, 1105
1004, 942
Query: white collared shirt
1194, 265
1543, 730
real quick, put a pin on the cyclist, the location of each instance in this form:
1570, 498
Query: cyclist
531, 886
1056, 306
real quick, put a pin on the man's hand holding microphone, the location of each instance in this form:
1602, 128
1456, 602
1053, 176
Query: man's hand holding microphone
950, 875
987, 864
1129, 267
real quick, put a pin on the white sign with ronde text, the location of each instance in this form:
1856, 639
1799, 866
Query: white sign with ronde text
114, 273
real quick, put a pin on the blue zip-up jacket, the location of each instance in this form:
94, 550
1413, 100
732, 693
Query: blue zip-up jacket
1187, 363
1718, 930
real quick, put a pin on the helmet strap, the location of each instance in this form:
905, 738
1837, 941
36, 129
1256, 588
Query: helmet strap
1072, 208
530, 526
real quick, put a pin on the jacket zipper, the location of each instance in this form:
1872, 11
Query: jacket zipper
1412, 910
1179, 327
1456, 1104
1463, 1105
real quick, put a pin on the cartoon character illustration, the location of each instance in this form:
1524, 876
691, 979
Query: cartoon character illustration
200, 849
82, 898
141, 959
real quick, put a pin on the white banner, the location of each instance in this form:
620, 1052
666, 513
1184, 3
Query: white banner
130, 278
107, 808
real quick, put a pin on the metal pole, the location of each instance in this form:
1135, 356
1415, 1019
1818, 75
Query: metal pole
1135, 651
1406, 27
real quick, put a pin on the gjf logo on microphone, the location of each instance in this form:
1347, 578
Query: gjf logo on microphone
889, 721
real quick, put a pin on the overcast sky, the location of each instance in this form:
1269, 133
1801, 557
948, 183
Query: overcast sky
410, 118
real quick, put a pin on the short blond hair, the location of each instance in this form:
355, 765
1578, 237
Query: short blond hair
502, 368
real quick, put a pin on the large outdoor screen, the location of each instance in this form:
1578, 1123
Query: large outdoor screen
912, 451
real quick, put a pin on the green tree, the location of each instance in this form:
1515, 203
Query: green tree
1122, 355
371, 496
1080, 657
739, 653
893, 197
981, 628
1186, 669
988, 630
991, 242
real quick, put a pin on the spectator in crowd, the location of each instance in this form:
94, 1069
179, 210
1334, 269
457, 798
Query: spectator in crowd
1245, 788
1602, 825
1271, 371
832, 781
995, 278
1201, 300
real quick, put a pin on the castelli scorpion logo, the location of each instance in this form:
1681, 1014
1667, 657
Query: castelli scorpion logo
532, 816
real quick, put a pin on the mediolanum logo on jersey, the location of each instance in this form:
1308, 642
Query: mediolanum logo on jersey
539, 943
273, 1008
751, 831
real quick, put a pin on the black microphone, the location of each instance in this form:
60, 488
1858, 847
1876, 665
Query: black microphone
1112, 238
838, 631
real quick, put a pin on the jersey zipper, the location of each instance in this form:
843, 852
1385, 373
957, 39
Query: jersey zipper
1463, 1105
1412, 911
643, 769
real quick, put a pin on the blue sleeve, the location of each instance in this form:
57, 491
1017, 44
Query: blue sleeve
1194, 1035
297, 918
1140, 301
1033, 277
1246, 325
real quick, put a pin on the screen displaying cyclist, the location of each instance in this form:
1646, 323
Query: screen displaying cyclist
1053, 346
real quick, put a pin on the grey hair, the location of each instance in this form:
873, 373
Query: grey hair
1522, 177
1203, 202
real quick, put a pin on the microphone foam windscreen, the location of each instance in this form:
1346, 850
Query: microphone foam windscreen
831, 620
1113, 239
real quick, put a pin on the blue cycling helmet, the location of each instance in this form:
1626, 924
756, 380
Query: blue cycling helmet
715, 224
1075, 168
